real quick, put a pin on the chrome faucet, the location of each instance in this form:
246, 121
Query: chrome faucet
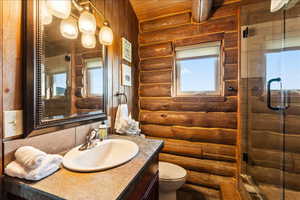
90, 140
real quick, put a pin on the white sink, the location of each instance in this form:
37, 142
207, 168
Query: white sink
106, 154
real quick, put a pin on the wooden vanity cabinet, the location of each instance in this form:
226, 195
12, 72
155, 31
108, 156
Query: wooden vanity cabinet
146, 187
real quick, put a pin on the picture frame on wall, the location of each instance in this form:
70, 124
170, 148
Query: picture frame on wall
126, 50
126, 75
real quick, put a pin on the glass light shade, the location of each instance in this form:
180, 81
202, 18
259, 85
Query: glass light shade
68, 28
87, 23
106, 35
59, 8
45, 14
88, 41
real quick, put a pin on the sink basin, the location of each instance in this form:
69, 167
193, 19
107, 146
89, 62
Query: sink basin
106, 154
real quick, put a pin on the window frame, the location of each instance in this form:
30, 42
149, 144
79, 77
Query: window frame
87, 88
219, 73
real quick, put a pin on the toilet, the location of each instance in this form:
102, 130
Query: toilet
171, 178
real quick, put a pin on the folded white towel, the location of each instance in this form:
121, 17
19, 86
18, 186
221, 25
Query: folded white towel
122, 114
29, 157
49, 165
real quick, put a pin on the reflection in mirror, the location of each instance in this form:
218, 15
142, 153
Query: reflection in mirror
72, 76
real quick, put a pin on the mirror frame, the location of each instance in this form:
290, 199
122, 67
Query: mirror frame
31, 60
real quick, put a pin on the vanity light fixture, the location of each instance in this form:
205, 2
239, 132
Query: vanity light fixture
106, 35
59, 8
87, 22
68, 28
45, 14
88, 40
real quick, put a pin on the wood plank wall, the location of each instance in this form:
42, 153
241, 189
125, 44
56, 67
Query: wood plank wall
124, 23
199, 132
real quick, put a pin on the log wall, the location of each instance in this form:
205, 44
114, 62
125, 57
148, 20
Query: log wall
199, 132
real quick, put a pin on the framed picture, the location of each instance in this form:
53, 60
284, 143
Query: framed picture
126, 75
126, 50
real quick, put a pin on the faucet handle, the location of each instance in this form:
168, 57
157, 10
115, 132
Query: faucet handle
92, 135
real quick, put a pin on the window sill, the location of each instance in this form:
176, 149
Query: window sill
199, 98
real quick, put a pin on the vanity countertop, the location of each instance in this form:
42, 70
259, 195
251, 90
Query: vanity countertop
108, 184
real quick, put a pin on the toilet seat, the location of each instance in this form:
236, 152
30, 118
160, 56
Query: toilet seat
171, 172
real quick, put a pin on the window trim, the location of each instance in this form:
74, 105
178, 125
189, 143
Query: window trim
86, 77
219, 73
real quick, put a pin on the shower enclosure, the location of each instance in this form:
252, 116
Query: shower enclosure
270, 101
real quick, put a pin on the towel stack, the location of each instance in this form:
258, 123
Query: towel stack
33, 164
124, 124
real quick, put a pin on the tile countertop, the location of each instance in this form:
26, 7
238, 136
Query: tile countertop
109, 184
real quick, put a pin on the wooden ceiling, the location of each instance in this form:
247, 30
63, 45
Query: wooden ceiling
148, 9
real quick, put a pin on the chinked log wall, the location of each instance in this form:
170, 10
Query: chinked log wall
199, 132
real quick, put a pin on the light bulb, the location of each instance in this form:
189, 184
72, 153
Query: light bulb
68, 28
106, 35
59, 8
88, 40
45, 14
87, 23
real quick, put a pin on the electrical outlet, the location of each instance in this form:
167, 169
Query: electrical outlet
13, 123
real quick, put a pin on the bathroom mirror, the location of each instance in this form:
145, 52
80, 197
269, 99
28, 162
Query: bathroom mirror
65, 78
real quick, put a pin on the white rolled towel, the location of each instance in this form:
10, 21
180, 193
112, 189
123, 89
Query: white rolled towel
29, 157
48, 166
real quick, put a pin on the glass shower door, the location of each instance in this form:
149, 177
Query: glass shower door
264, 100
291, 87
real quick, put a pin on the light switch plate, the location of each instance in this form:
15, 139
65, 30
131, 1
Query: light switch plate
13, 123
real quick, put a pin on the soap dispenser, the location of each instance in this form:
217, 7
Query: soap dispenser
102, 131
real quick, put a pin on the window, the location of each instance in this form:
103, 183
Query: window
198, 69
94, 77
59, 84
284, 64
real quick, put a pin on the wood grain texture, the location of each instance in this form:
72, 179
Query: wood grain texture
166, 22
157, 63
274, 177
190, 30
229, 191
210, 135
155, 90
198, 149
194, 128
1, 86
198, 119
12, 68
272, 122
148, 9
206, 179
207, 193
275, 140
199, 39
229, 105
209, 166
163, 49
156, 76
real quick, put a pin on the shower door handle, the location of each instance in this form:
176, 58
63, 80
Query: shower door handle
269, 100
